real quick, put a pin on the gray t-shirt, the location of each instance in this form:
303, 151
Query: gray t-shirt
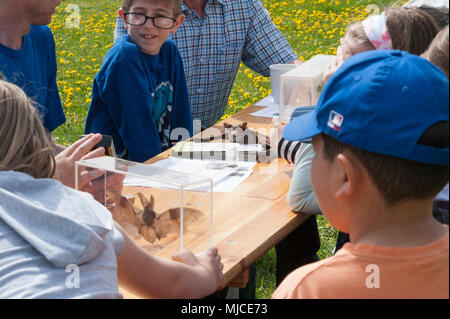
301, 197
55, 242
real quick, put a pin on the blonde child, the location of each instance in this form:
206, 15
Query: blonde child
49, 231
381, 143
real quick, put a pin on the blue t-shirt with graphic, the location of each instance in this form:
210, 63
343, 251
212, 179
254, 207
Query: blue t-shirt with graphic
33, 68
140, 100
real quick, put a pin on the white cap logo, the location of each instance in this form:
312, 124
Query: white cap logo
335, 121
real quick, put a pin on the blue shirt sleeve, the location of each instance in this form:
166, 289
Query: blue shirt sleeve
265, 44
126, 93
55, 114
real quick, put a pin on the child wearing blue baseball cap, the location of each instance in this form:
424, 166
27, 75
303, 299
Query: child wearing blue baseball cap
380, 136
396, 28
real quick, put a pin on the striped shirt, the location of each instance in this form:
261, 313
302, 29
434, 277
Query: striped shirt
289, 150
212, 48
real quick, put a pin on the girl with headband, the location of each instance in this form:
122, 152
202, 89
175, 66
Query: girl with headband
395, 29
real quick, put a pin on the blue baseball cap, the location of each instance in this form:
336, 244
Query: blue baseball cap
381, 102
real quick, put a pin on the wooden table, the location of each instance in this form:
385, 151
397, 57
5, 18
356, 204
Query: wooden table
255, 217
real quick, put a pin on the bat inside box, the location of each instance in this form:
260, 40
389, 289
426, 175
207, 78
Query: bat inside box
172, 212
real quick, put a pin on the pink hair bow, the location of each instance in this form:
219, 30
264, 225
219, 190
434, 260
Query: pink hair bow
377, 32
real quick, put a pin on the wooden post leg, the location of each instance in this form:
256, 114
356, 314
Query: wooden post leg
241, 280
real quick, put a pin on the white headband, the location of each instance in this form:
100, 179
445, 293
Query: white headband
377, 32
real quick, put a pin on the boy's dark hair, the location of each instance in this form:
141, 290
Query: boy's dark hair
398, 179
176, 6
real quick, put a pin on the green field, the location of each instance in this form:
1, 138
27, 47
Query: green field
311, 27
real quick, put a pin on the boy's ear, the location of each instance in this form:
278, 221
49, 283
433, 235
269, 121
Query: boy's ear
178, 23
349, 176
122, 16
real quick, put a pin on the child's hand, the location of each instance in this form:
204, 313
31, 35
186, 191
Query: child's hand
89, 180
65, 161
343, 53
208, 267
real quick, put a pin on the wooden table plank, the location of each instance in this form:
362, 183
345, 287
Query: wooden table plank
254, 218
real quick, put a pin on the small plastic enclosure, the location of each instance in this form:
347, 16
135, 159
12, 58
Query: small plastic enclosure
164, 211
302, 86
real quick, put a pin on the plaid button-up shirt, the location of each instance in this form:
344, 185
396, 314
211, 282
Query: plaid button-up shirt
212, 48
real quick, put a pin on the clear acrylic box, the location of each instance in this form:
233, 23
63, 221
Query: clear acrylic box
302, 86
161, 209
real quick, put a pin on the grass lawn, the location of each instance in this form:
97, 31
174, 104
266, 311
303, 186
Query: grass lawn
311, 27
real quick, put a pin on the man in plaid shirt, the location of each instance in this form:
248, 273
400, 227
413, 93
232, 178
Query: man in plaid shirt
215, 37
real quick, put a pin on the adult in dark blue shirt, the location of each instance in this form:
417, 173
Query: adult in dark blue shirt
28, 59
33, 68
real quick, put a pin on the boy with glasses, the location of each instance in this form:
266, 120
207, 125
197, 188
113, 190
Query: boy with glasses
216, 36
140, 96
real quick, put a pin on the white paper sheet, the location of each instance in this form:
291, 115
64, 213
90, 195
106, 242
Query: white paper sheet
226, 176
267, 101
271, 109
230, 183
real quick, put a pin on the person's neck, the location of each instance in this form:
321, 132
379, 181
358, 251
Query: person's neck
404, 225
197, 5
12, 29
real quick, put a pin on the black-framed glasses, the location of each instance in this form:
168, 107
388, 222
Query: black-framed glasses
138, 19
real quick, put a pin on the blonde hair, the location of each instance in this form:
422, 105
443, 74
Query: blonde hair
409, 29
24, 145
438, 52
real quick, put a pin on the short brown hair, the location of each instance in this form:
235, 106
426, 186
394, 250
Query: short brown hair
176, 6
438, 53
398, 179
24, 145
410, 30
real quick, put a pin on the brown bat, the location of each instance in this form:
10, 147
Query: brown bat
239, 133
151, 226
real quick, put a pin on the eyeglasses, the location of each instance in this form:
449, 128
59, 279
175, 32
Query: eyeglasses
138, 19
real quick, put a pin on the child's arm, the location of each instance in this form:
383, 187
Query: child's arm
301, 197
152, 277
